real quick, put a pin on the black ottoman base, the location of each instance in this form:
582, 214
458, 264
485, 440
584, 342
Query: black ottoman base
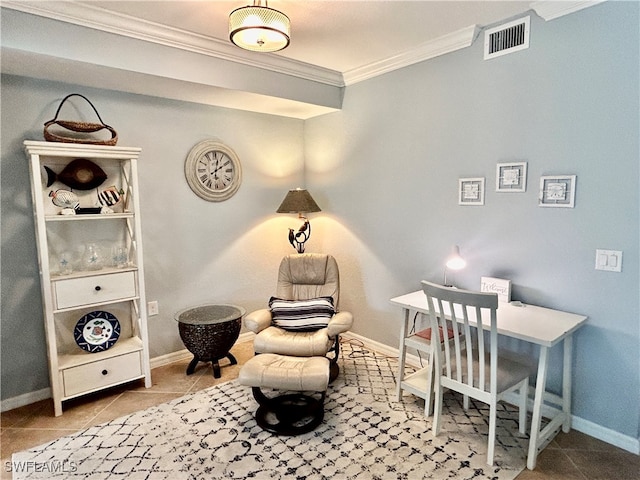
289, 414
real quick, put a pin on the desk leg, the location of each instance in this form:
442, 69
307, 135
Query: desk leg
402, 353
537, 408
566, 384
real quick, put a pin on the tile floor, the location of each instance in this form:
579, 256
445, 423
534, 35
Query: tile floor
572, 456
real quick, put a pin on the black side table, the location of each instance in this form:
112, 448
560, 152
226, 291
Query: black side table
209, 332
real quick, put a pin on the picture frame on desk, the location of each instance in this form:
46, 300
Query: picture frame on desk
497, 285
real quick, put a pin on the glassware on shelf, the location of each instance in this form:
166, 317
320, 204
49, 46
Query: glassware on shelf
92, 259
65, 264
119, 256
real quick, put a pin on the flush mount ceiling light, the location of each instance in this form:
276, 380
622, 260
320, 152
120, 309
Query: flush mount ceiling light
259, 28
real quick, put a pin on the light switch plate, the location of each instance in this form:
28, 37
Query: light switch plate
609, 260
152, 308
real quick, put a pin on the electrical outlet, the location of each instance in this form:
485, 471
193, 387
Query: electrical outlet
609, 260
152, 308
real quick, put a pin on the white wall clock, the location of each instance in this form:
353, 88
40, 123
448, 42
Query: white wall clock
213, 171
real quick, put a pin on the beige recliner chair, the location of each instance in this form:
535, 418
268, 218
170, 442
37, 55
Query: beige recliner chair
303, 319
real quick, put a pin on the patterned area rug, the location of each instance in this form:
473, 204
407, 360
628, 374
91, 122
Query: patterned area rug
365, 435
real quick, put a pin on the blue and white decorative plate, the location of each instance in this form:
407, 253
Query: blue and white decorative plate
97, 331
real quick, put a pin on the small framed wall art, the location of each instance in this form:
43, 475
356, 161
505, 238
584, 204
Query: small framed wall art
471, 191
511, 177
557, 191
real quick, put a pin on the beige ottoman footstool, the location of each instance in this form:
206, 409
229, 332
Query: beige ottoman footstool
291, 413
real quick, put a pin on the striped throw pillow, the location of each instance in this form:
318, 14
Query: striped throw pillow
302, 315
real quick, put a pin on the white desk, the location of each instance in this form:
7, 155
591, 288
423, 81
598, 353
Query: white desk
541, 326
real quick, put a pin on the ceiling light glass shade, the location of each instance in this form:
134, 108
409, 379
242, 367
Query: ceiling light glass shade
259, 29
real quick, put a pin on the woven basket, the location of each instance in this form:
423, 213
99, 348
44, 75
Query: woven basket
78, 127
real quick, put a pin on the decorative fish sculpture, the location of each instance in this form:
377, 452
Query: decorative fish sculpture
81, 174
109, 197
65, 199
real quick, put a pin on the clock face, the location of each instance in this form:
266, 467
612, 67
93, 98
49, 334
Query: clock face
213, 171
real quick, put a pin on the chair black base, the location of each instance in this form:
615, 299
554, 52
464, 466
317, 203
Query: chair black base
289, 414
334, 371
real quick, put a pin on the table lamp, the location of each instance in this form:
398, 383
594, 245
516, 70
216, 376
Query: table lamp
299, 201
453, 262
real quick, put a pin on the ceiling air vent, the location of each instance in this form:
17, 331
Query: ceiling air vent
507, 38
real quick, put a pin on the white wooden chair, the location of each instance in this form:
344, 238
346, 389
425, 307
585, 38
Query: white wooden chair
470, 364
416, 383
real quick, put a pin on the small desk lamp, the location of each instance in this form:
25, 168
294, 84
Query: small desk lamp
299, 201
454, 262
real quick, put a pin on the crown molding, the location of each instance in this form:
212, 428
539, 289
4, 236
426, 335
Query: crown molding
446, 44
551, 10
90, 16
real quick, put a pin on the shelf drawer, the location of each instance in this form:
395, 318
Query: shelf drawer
100, 288
100, 374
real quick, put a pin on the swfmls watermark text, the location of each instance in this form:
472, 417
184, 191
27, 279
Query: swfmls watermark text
50, 466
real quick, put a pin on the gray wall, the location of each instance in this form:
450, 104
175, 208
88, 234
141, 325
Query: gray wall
195, 251
385, 170
387, 166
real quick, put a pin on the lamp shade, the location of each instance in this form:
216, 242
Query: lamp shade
455, 261
298, 201
259, 29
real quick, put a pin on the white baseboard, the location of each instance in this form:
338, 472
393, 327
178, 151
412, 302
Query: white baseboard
169, 358
412, 360
25, 399
184, 353
594, 430
607, 435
